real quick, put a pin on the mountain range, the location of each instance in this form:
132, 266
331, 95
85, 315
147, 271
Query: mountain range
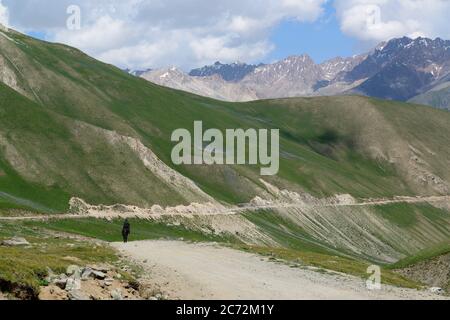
78, 135
229, 72
403, 69
72, 126
213, 86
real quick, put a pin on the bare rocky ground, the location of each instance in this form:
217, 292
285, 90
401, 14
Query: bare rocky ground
341, 221
116, 280
196, 271
434, 272
205, 271
94, 282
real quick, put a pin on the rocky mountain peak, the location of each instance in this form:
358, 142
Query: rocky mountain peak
337, 66
233, 72
293, 66
398, 69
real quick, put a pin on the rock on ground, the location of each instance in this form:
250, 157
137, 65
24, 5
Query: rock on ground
15, 242
53, 292
87, 283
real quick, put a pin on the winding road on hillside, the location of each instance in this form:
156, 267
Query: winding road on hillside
232, 210
208, 271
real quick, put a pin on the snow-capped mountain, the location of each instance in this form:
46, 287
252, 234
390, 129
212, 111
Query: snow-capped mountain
336, 67
297, 76
400, 69
212, 86
403, 68
293, 76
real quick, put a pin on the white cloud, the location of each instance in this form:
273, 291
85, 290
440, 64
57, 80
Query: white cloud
304, 10
157, 33
218, 48
190, 33
380, 20
4, 15
105, 33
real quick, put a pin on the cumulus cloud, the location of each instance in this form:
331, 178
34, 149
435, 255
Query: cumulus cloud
156, 33
380, 20
4, 14
191, 33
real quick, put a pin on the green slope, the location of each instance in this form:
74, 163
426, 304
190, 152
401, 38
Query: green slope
65, 106
43, 162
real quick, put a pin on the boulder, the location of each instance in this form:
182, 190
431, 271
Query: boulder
91, 273
73, 284
109, 281
437, 290
116, 294
74, 271
87, 273
99, 275
15, 242
78, 295
60, 281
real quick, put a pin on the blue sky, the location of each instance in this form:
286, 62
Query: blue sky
322, 39
191, 33
37, 34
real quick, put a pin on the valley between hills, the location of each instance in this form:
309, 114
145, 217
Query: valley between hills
83, 145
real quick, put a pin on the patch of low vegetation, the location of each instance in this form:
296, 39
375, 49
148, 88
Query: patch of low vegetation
422, 256
430, 266
406, 215
333, 263
401, 214
24, 268
140, 230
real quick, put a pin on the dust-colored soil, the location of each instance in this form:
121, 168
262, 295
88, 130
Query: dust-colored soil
205, 271
340, 223
211, 209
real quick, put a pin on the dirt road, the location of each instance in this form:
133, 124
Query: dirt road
206, 271
220, 211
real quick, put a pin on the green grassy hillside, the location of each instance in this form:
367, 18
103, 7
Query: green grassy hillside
44, 161
71, 126
65, 127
